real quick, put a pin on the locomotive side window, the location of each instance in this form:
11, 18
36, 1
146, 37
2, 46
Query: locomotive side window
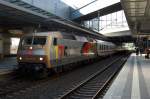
27, 41
55, 41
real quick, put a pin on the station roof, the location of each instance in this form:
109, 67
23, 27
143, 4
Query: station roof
18, 13
119, 33
116, 37
14, 12
138, 15
124, 39
101, 12
120, 36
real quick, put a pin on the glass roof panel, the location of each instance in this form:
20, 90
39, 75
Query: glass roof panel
98, 4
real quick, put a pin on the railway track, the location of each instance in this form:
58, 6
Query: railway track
15, 86
94, 86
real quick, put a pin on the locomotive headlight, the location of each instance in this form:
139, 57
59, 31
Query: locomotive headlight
41, 58
30, 47
20, 58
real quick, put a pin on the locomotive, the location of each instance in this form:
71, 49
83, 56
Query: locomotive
44, 51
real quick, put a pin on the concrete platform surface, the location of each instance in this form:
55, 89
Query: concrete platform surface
7, 65
133, 81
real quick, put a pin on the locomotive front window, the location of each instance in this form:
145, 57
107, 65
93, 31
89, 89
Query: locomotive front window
27, 41
34, 40
39, 41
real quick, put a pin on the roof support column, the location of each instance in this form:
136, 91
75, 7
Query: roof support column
98, 21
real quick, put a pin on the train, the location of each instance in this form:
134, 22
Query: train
44, 51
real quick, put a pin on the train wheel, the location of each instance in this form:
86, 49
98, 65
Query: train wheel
59, 69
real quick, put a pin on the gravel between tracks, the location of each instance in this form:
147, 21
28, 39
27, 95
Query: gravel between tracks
59, 84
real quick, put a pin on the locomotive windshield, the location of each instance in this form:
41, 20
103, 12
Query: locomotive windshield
34, 40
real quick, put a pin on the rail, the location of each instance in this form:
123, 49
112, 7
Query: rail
93, 86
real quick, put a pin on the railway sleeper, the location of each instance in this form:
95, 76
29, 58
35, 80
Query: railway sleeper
82, 95
78, 97
90, 87
86, 92
94, 84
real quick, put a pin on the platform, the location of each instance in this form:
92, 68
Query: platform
133, 81
7, 65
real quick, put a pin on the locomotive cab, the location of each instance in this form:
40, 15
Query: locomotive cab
31, 54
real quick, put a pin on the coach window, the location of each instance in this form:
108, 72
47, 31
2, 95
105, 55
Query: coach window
99, 47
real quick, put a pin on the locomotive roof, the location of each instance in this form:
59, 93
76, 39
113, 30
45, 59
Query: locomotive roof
52, 33
60, 34
105, 42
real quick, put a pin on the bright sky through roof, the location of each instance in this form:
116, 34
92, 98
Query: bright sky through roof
92, 7
116, 23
